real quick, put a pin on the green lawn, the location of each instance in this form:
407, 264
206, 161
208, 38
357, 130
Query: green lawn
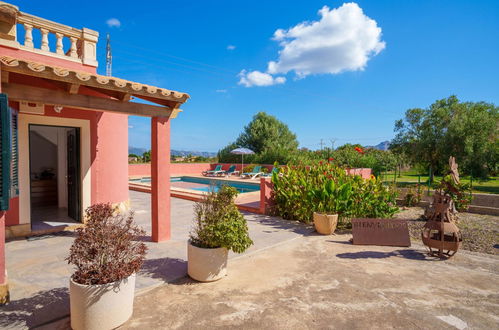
410, 178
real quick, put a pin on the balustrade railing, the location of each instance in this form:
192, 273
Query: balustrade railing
82, 42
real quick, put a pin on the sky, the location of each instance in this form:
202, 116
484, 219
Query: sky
336, 71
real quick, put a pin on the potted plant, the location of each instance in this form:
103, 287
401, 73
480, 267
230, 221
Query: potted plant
330, 201
218, 227
106, 254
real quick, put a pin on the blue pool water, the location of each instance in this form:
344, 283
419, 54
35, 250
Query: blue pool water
205, 184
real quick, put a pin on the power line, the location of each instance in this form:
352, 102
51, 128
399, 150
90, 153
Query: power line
177, 57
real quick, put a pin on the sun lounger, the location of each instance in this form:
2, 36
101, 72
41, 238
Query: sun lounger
216, 171
255, 173
230, 171
267, 175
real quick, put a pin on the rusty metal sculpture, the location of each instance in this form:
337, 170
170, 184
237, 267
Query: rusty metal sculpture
440, 233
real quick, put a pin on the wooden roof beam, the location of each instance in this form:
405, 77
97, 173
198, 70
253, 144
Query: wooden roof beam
17, 92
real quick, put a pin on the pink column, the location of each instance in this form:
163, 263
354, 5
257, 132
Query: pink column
160, 179
266, 187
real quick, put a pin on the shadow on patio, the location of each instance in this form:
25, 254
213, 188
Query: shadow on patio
43, 307
407, 254
165, 269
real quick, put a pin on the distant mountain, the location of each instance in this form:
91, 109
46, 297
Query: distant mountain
194, 153
381, 146
140, 151
136, 151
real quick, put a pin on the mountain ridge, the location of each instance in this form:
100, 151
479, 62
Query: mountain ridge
174, 152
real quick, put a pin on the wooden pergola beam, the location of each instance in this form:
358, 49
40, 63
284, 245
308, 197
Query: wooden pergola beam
92, 82
17, 92
73, 88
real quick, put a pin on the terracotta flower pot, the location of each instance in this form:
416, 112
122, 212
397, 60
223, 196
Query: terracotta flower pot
104, 306
325, 223
206, 265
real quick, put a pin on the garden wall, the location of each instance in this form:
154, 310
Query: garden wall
143, 170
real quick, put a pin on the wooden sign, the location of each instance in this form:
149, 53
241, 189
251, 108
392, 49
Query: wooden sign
391, 232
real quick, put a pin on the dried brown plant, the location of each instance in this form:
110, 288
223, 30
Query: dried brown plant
108, 248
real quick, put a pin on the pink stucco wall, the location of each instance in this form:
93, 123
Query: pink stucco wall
139, 170
49, 60
136, 170
142, 170
110, 169
108, 145
365, 173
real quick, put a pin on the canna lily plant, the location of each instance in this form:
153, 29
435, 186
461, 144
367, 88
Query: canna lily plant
323, 187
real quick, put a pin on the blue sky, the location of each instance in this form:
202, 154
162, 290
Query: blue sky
351, 91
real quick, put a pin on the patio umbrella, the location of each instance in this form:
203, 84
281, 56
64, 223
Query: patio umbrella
242, 152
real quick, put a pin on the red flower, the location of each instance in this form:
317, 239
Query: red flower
320, 163
359, 150
331, 159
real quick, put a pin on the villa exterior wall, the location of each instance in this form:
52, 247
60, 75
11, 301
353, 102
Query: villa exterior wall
110, 169
22, 54
108, 157
108, 145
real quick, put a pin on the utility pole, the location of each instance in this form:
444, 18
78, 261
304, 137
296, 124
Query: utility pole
333, 141
109, 57
322, 143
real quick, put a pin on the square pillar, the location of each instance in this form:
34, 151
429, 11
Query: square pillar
160, 179
266, 202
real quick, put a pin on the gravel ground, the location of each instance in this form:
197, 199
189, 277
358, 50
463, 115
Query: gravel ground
480, 232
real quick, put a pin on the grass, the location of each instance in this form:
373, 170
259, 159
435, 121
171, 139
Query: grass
411, 178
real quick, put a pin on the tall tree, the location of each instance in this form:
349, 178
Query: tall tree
266, 131
466, 130
267, 136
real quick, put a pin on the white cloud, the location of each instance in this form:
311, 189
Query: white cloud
113, 22
130, 126
343, 39
231, 47
221, 91
257, 78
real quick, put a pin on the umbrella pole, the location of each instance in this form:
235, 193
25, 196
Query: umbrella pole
242, 163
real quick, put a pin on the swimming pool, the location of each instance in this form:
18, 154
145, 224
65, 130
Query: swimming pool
204, 184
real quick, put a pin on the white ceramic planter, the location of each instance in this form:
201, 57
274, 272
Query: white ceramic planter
206, 265
101, 307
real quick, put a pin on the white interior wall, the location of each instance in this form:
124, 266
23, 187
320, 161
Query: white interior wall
43, 152
57, 159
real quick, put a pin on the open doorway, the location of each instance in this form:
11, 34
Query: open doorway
54, 176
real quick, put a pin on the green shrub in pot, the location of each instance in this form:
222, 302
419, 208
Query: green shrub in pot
218, 227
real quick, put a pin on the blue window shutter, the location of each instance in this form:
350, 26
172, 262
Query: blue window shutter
5, 152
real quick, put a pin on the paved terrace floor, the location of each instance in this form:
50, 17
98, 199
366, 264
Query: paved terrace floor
324, 282
39, 275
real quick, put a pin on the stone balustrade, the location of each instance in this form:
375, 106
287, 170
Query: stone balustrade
82, 42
